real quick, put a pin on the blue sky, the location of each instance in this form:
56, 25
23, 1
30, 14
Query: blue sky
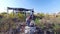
44, 6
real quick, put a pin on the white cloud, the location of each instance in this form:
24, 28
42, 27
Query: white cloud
2, 9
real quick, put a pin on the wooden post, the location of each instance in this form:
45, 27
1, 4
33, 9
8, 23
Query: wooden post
25, 15
7, 11
13, 12
32, 14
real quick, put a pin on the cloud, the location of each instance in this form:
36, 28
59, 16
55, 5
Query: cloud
2, 9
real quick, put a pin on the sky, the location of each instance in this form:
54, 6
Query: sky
39, 6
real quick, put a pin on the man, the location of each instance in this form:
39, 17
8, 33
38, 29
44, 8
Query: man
28, 20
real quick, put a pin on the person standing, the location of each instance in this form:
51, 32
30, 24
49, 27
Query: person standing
28, 20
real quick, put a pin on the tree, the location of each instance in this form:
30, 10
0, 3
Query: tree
41, 15
21, 16
47, 16
4, 14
